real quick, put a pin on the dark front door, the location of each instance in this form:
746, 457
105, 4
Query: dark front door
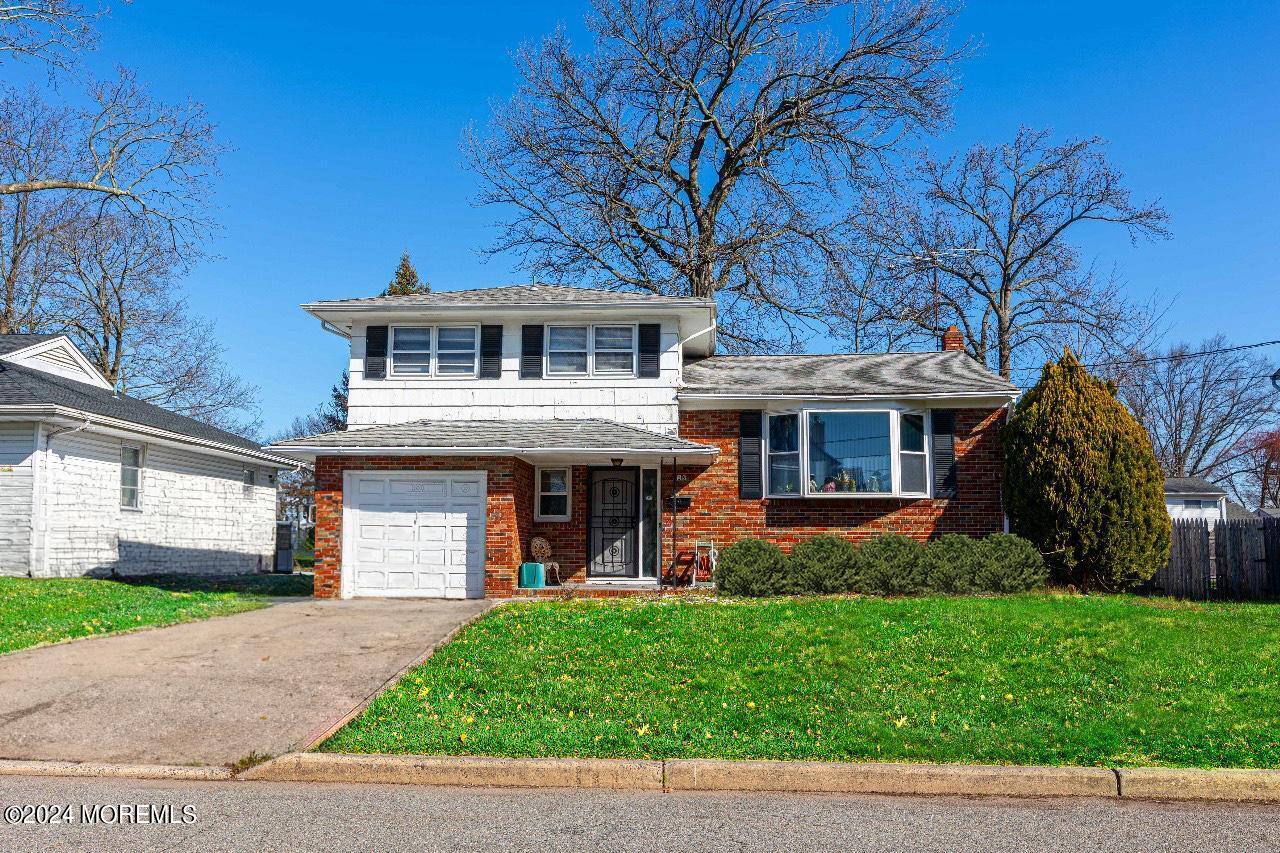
611, 534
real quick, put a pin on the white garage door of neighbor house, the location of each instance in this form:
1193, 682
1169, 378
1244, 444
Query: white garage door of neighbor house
416, 534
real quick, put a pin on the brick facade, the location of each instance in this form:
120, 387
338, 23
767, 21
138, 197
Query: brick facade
715, 512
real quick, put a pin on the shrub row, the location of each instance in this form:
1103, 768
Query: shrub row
887, 565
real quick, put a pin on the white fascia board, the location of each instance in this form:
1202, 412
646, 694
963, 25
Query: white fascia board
977, 398
64, 416
21, 357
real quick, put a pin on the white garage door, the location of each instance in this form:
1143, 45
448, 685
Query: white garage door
415, 533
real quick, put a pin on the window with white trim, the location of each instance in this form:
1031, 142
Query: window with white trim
784, 454
847, 453
131, 476
604, 350
448, 351
568, 352
614, 350
553, 494
250, 481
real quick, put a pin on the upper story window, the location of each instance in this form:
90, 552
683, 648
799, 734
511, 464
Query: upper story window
250, 480
131, 476
822, 453
434, 350
591, 350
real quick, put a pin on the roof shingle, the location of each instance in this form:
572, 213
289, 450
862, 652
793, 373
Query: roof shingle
23, 386
521, 295
591, 434
1190, 486
860, 374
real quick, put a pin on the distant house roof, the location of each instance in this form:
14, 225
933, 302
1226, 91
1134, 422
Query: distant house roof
862, 374
499, 437
13, 343
1191, 486
1236, 511
531, 295
28, 388
1268, 512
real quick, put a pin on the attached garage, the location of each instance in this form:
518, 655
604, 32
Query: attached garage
414, 534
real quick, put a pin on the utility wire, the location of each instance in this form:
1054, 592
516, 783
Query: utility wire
1198, 354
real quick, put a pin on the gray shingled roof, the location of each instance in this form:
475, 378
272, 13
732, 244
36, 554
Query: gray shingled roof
13, 343
517, 295
863, 374
592, 434
1190, 486
22, 386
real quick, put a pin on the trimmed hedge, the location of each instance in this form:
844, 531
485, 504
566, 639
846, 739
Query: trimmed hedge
887, 565
752, 567
823, 564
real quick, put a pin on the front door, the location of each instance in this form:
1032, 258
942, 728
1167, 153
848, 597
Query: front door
612, 543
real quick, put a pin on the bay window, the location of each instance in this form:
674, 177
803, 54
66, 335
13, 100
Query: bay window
847, 453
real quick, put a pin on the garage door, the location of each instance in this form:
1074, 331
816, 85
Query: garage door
415, 534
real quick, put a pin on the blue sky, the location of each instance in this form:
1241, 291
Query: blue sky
346, 120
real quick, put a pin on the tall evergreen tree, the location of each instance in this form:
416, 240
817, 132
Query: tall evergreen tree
1082, 481
406, 281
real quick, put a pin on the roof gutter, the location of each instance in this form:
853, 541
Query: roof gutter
709, 395
102, 421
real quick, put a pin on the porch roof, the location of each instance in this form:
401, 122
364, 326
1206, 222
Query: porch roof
592, 437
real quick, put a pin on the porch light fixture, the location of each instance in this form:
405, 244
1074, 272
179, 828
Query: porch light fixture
617, 463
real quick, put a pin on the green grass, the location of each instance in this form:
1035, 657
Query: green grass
1098, 680
33, 612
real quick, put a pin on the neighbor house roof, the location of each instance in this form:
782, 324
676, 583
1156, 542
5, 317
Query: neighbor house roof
1236, 512
1191, 486
23, 388
13, 343
892, 374
508, 436
531, 295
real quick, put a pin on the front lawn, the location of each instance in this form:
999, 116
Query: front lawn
1037, 679
50, 610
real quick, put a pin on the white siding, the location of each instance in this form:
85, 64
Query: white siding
17, 441
1210, 512
194, 516
648, 403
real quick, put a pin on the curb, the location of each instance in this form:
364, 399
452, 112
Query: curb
93, 769
329, 729
919, 779
1171, 783
468, 772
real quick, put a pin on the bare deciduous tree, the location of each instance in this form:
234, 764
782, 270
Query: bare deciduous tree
48, 31
1255, 478
700, 149
133, 154
981, 240
121, 304
30, 223
1199, 404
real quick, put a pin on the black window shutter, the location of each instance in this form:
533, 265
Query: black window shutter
650, 350
375, 352
750, 456
944, 453
490, 352
531, 352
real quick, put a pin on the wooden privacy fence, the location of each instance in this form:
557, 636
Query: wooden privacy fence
1234, 560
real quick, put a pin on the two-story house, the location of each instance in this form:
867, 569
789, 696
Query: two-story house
605, 423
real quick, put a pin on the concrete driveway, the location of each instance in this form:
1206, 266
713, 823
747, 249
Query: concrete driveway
213, 691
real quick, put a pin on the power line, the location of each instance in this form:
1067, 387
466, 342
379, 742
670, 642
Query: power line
1197, 354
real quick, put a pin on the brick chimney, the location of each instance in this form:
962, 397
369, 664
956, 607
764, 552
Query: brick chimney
952, 339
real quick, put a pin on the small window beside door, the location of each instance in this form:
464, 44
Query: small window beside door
552, 494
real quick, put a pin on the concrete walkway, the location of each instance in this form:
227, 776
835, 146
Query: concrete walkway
215, 690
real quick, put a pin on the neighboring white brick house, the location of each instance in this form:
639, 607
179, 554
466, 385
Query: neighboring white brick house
96, 483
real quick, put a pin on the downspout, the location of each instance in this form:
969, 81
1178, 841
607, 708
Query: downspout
42, 475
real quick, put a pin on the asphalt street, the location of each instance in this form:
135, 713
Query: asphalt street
287, 816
